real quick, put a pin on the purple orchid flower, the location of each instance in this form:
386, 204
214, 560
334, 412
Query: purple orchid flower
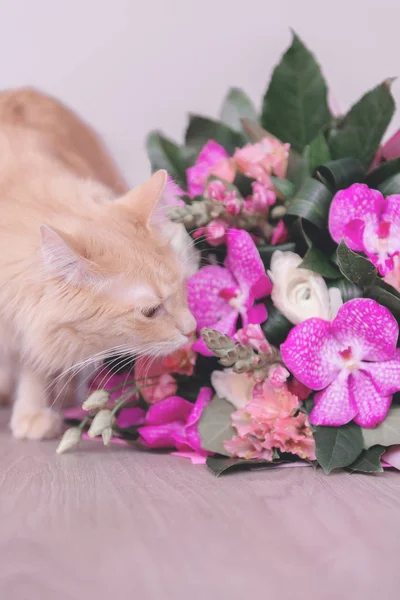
367, 222
352, 360
218, 295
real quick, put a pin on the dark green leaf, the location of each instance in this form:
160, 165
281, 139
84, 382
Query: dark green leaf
317, 261
385, 171
283, 186
215, 426
237, 105
311, 202
337, 447
363, 127
266, 251
219, 465
201, 130
356, 268
254, 131
390, 186
276, 327
295, 106
387, 433
369, 461
164, 154
340, 174
386, 298
318, 152
348, 290
389, 288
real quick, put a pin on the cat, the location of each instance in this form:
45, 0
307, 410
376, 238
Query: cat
84, 269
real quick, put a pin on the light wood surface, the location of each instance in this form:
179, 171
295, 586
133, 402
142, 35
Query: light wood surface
115, 523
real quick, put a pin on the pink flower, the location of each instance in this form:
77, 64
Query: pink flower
262, 198
216, 190
351, 361
215, 231
393, 277
367, 222
271, 420
181, 361
298, 389
212, 160
280, 234
252, 335
218, 295
263, 159
232, 203
173, 423
277, 376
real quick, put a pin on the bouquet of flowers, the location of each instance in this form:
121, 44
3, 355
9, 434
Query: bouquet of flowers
295, 210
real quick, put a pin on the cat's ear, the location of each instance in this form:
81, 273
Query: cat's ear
61, 259
143, 200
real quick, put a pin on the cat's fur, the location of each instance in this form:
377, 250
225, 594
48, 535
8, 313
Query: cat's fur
82, 270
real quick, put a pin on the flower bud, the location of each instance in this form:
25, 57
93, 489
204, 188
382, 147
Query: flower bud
106, 434
97, 399
71, 438
101, 420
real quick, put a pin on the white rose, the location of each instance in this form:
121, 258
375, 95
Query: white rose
234, 387
301, 294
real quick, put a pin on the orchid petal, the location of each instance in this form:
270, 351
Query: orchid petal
191, 430
262, 287
310, 353
256, 315
353, 234
244, 260
204, 300
356, 202
171, 409
372, 405
385, 375
369, 327
169, 435
391, 212
129, 417
334, 406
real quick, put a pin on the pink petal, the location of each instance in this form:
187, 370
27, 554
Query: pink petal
372, 406
310, 353
243, 259
385, 375
391, 212
334, 406
197, 176
129, 417
171, 409
204, 300
391, 149
353, 234
212, 153
392, 456
256, 314
280, 234
197, 459
368, 326
191, 429
169, 435
356, 202
262, 287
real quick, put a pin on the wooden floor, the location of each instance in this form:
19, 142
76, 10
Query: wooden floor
118, 524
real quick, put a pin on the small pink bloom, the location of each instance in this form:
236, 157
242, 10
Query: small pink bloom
263, 159
216, 190
218, 295
181, 361
165, 387
232, 203
252, 335
280, 234
262, 197
367, 222
215, 232
212, 159
352, 362
277, 376
298, 389
224, 169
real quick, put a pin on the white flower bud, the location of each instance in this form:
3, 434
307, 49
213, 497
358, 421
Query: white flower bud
97, 399
71, 438
101, 420
106, 434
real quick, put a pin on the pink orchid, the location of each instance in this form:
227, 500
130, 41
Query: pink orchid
173, 423
218, 295
367, 222
212, 160
351, 361
280, 234
260, 160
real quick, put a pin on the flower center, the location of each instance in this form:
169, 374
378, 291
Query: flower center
234, 297
350, 362
383, 230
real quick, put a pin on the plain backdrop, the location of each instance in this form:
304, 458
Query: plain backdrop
129, 66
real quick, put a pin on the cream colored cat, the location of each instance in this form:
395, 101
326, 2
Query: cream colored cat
82, 269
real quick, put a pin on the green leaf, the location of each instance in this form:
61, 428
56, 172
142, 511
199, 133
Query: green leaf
390, 186
363, 127
337, 447
387, 433
355, 268
318, 152
369, 461
311, 202
348, 290
219, 465
285, 187
237, 105
254, 131
266, 251
164, 154
385, 171
276, 327
215, 426
340, 174
295, 105
318, 262
201, 130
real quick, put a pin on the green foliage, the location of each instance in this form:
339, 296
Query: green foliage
165, 154
215, 425
337, 447
237, 106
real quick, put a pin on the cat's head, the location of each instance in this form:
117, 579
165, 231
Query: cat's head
116, 281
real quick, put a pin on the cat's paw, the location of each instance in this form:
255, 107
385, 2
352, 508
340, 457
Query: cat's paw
43, 424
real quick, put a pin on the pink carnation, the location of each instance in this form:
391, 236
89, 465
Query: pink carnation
212, 160
262, 198
259, 161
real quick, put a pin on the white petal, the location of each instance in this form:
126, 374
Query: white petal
235, 388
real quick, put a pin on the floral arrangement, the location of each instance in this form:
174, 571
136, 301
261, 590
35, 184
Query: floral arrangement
295, 210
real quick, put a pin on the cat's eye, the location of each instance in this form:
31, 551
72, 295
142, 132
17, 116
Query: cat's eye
152, 312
